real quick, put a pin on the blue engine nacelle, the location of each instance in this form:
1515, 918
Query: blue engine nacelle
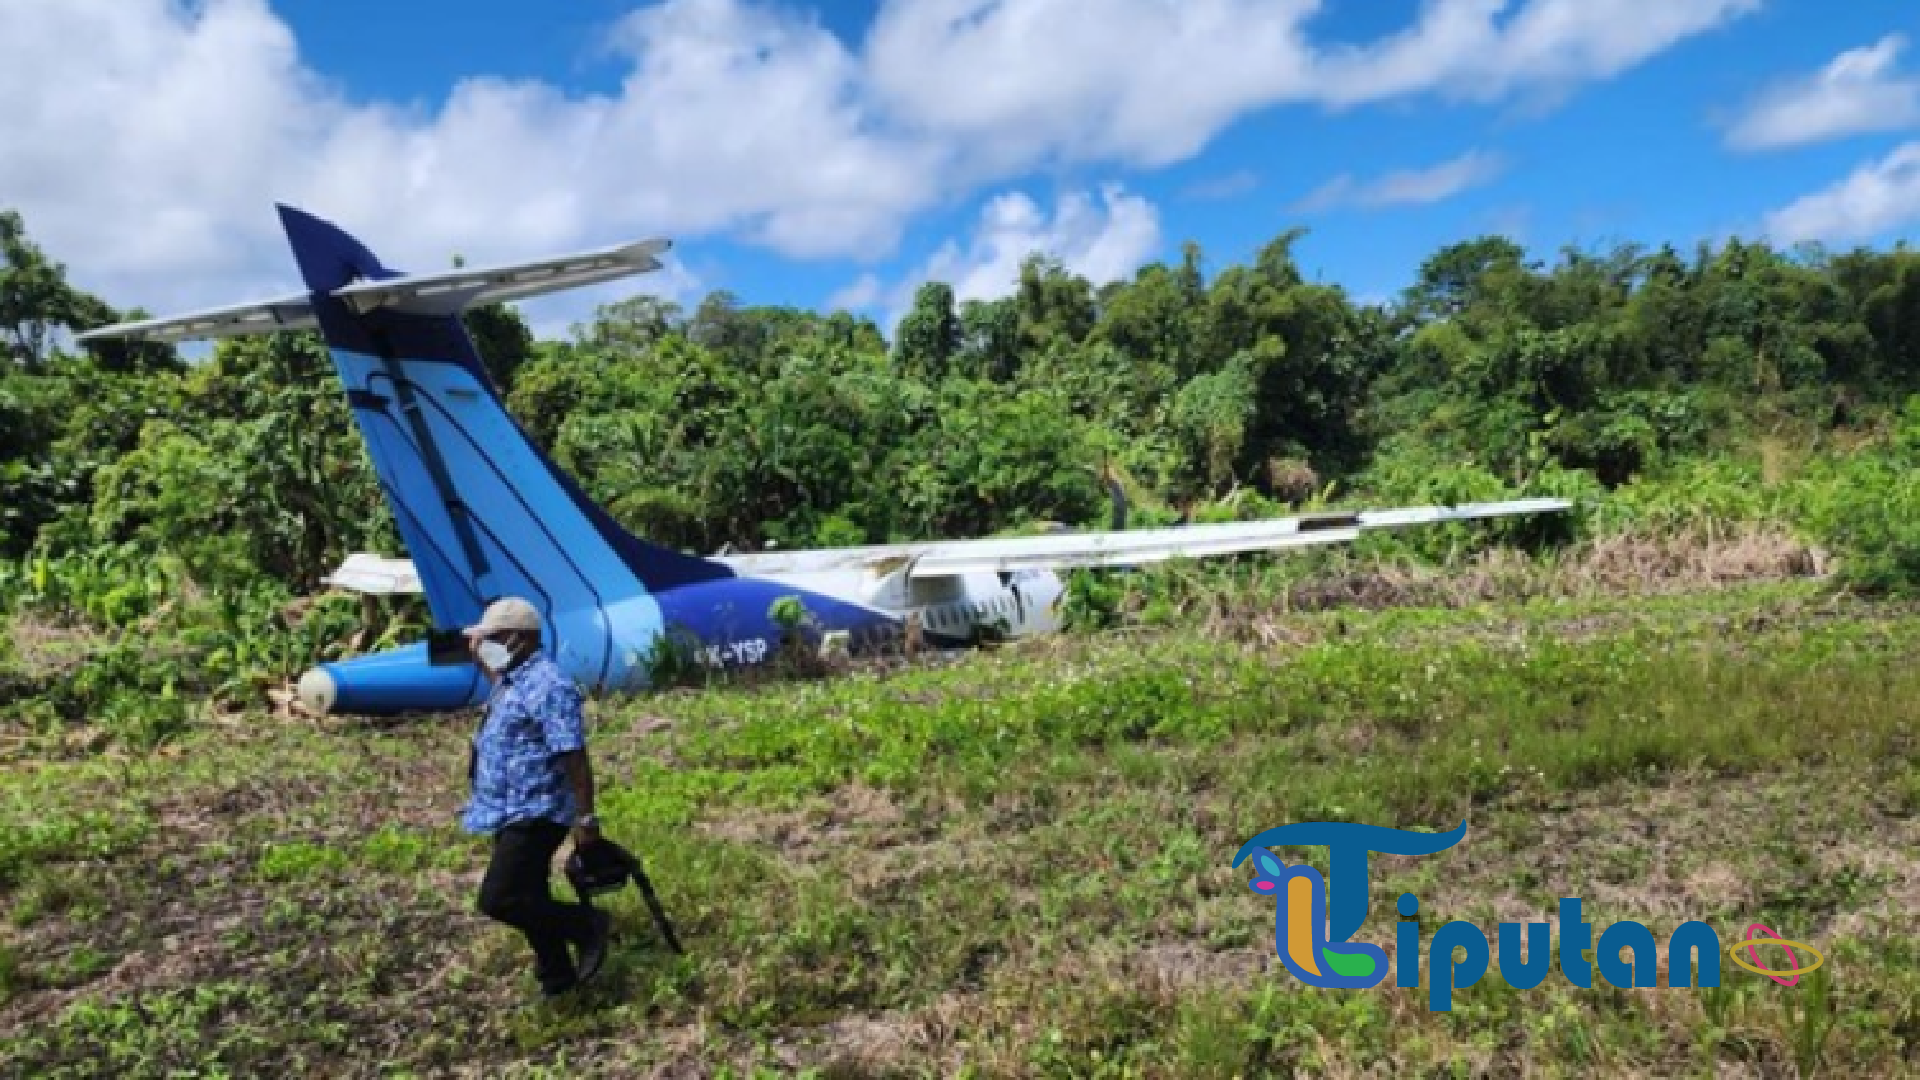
398, 680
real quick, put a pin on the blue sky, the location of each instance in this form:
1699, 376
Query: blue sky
1110, 134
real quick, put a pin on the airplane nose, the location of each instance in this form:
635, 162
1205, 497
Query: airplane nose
316, 692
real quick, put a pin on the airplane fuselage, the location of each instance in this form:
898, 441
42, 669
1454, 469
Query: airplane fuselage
952, 611
721, 624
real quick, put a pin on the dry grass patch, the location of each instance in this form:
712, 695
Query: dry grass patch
1624, 564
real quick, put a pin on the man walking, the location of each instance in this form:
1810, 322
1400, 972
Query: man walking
531, 784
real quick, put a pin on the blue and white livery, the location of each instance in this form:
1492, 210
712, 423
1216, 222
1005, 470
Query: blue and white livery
484, 513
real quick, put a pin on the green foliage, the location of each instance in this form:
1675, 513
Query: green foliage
1868, 505
260, 474
788, 612
1211, 413
1092, 602
930, 335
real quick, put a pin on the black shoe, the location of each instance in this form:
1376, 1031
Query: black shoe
593, 951
557, 978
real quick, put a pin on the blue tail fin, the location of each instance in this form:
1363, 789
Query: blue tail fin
483, 512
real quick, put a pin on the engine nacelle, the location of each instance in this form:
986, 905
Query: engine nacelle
396, 681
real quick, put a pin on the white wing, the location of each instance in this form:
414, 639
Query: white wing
1131, 547
1134, 547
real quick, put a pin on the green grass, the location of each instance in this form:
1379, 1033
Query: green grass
1019, 864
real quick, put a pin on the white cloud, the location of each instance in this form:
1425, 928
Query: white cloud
148, 161
1144, 81
1102, 241
747, 115
1458, 48
1878, 196
1858, 91
1150, 83
1408, 186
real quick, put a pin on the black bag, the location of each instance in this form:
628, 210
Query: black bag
604, 867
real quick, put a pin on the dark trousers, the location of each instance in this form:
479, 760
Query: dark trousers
515, 891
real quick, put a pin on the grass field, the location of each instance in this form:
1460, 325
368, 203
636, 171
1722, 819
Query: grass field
1019, 863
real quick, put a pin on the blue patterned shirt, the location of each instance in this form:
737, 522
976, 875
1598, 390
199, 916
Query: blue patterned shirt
535, 715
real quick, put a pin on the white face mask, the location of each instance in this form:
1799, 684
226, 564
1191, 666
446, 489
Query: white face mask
495, 655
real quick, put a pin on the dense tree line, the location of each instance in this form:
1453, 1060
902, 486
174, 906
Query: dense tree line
1239, 391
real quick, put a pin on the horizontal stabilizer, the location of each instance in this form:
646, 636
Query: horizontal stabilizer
240, 320
456, 290
369, 573
441, 294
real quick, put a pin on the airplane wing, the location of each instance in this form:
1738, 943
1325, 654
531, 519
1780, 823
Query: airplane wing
446, 293
1131, 547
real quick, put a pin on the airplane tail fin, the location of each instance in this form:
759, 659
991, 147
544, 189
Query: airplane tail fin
482, 510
